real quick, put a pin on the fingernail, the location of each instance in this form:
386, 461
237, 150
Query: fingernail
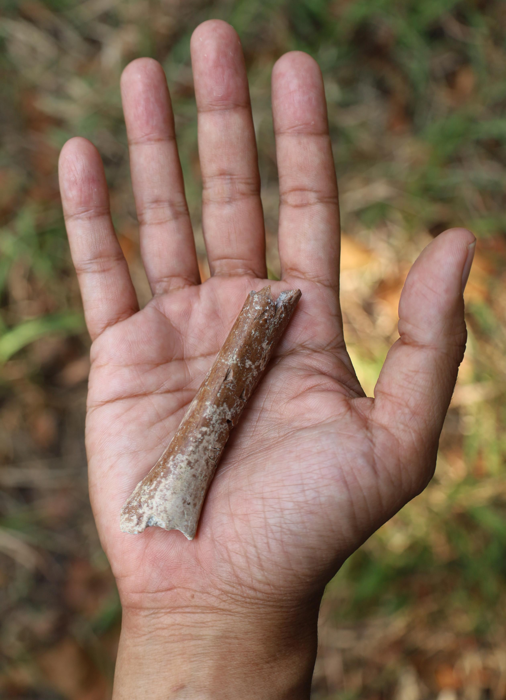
469, 261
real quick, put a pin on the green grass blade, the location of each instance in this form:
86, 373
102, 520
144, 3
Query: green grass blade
19, 337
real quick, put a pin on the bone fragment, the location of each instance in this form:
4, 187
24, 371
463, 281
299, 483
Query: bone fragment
172, 494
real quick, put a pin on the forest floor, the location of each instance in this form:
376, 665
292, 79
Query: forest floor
416, 92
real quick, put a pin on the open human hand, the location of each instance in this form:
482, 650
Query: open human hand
314, 466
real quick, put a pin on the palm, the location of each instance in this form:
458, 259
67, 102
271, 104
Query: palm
146, 371
314, 466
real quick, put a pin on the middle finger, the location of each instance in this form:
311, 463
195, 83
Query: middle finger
232, 210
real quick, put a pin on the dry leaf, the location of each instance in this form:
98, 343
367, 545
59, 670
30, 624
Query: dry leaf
447, 677
354, 254
43, 427
74, 372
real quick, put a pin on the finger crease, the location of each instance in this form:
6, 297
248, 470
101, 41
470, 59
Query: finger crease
228, 188
240, 267
149, 140
289, 272
88, 214
224, 107
99, 265
173, 282
301, 197
302, 130
162, 212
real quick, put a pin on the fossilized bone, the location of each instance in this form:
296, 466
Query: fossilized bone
172, 494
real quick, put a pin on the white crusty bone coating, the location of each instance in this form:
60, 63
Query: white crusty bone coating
172, 494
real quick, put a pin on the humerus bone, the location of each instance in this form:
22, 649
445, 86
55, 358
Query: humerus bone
172, 494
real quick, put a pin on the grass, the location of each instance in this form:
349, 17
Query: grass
416, 93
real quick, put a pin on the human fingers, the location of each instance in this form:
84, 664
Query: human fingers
309, 206
106, 287
167, 244
418, 378
232, 210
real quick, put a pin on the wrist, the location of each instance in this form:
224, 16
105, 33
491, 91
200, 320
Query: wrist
225, 654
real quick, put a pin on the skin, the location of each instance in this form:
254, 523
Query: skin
315, 466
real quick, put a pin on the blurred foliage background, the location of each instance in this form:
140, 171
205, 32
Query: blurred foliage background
416, 92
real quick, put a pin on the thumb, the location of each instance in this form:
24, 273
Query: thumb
417, 380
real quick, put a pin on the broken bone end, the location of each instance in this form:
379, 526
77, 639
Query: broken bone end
134, 526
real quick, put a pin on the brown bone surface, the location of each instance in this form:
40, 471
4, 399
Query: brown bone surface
172, 494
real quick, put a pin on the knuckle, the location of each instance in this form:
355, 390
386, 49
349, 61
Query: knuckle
229, 188
156, 212
98, 265
86, 214
301, 197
